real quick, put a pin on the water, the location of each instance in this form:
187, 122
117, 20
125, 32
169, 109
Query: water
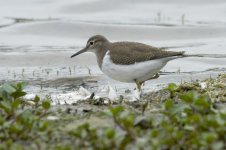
38, 37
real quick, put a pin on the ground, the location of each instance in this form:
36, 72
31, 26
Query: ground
188, 114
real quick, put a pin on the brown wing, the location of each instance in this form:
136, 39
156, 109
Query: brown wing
131, 52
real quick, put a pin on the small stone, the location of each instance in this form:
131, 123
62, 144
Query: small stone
203, 85
52, 118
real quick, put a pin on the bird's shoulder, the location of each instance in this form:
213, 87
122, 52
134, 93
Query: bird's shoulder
132, 47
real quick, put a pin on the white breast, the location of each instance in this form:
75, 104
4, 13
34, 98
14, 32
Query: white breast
140, 71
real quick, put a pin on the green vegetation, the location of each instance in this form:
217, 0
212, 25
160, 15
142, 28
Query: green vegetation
189, 118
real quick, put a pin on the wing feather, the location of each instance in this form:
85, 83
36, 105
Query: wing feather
132, 52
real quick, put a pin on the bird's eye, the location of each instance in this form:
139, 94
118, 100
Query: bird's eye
91, 43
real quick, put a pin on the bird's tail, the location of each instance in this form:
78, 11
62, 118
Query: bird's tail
205, 55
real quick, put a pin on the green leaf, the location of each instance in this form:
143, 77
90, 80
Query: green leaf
17, 146
127, 119
5, 105
203, 102
110, 133
172, 87
179, 108
2, 120
154, 133
37, 99
116, 110
195, 118
1, 91
15, 103
209, 137
43, 126
188, 97
168, 104
8, 88
46, 104
18, 94
15, 128
20, 86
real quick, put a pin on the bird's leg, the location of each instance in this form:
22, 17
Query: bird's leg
138, 91
139, 84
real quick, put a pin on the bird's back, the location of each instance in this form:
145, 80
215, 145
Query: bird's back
133, 52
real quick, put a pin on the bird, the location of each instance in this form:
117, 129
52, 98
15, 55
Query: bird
130, 62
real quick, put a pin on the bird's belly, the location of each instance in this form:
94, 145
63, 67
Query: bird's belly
140, 71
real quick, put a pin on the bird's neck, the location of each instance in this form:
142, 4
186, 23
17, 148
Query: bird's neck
100, 53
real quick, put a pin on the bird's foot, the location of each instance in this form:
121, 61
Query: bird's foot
139, 84
138, 91
112, 95
137, 94
155, 76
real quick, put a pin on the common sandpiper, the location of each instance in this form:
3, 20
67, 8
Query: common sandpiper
130, 62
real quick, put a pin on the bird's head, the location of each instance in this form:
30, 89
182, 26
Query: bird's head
94, 44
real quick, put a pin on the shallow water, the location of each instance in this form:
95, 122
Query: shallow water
38, 37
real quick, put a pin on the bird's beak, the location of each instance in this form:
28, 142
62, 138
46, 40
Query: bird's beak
79, 52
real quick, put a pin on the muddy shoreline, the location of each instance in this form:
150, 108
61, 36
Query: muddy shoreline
151, 102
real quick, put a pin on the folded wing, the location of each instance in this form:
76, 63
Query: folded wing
130, 52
